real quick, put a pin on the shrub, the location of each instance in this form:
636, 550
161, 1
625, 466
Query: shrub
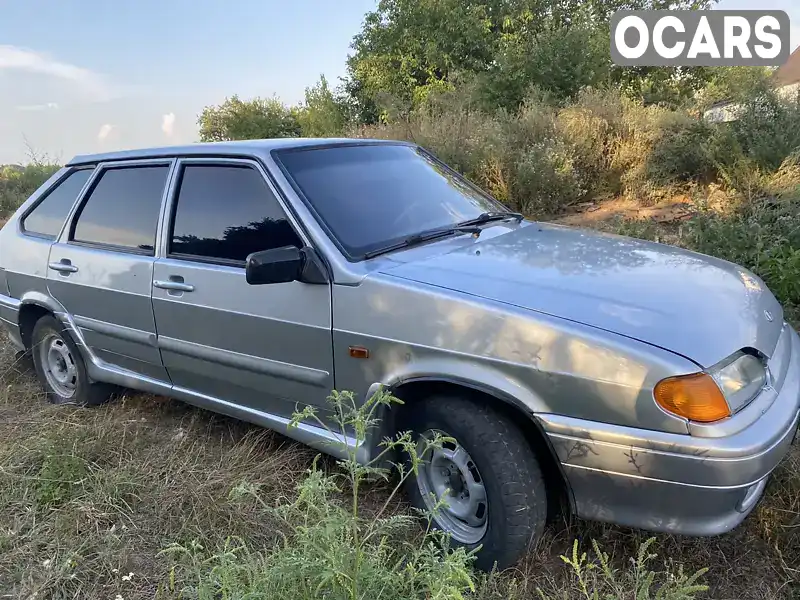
322, 114
546, 179
17, 183
680, 154
588, 134
237, 119
768, 129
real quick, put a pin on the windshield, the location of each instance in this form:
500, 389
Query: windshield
370, 197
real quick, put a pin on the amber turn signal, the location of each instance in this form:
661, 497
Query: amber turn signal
694, 397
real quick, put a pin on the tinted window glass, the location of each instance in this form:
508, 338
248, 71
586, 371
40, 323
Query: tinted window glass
49, 215
227, 212
123, 207
370, 196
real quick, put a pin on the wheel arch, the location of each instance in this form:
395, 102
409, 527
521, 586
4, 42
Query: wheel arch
33, 306
29, 314
415, 389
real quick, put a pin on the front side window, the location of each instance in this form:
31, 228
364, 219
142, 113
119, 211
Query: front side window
226, 212
122, 209
373, 195
48, 217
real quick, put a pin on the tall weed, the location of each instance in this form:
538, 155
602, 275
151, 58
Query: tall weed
599, 580
329, 549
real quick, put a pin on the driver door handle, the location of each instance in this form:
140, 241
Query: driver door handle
63, 266
177, 286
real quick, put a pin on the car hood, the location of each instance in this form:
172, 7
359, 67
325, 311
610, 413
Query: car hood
700, 307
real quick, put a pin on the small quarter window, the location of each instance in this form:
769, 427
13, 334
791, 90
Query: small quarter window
226, 212
122, 209
48, 216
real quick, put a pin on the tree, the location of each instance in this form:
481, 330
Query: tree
236, 119
408, 47
323, 114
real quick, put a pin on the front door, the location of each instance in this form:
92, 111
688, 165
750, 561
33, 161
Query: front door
102, 267
263, 347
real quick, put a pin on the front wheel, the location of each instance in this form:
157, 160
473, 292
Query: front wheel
496, 495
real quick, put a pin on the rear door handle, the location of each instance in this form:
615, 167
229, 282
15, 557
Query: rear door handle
64, 266
177, 286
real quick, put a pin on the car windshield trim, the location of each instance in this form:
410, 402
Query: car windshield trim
399, 242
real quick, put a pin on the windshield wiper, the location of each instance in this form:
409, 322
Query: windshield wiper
492, 216
424, 236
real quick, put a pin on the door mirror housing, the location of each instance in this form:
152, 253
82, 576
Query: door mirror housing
284, 265
278, 265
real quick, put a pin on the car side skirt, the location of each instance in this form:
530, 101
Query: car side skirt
319, 438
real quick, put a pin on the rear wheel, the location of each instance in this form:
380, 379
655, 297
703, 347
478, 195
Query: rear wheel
495, 492
60, 367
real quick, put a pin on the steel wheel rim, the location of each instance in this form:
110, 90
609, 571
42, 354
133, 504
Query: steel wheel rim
451, 469
58, 365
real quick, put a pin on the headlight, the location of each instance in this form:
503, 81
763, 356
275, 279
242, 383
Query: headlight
713, 395
740, 380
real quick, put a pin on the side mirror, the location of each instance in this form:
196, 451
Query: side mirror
279, 265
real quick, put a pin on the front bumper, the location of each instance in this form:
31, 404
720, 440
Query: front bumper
685, 484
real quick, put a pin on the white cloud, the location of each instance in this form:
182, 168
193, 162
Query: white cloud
22, 59
37, 107
168, 124
104, 131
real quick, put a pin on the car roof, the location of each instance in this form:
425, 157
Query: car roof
236, 148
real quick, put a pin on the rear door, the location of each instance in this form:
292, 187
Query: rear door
25, 256
263, 347
101, 268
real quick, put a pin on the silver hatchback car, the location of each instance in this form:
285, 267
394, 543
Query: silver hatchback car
649, 386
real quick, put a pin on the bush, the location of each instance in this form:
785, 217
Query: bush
546, 179
322, 114
768, 130
237, 119
680, 154
546, 157
17, 183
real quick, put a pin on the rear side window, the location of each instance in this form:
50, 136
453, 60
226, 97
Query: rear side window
48, 216
122, 209
226, 212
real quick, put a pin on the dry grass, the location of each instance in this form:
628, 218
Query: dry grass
88, 496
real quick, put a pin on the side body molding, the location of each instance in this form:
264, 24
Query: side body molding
316, 437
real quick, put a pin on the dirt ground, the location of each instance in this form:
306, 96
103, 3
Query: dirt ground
589, 214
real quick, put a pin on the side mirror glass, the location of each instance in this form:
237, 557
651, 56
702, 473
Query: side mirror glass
279, 265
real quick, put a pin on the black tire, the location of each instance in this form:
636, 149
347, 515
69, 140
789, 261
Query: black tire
23, 362
516, 496
85, 393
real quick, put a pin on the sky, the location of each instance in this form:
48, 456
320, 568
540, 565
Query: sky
83, 76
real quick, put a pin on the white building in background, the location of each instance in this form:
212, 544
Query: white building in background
786, 81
